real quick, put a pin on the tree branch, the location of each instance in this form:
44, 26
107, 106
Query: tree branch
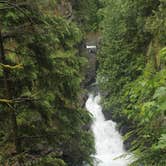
23, 4
17, 7
19, 66
37, 136
6, 101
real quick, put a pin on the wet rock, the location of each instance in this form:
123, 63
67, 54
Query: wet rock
83, 98
123, 126
108, 115
87, 127
90, 76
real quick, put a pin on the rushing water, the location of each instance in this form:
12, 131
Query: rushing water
108, 142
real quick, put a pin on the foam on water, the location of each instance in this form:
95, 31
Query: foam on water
108, 141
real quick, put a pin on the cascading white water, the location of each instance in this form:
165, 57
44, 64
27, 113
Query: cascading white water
108, 141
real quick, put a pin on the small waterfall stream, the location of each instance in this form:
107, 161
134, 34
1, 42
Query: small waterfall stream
108, 142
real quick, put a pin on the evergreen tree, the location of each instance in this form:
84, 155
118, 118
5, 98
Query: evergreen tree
41, 117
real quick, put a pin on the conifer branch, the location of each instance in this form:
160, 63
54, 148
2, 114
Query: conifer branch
6, 101
19, 66
17, 7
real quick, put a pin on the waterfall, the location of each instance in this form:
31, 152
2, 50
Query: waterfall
108, 141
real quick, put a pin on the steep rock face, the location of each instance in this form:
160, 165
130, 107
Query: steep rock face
89, 71
90, 76
91, 67
92, 39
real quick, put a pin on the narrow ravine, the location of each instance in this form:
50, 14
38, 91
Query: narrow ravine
108, 142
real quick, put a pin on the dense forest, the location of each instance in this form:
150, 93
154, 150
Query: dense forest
43, 121
132, 74
41, 116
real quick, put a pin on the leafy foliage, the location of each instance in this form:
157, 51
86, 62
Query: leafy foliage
41, 118
86, 14
132, 74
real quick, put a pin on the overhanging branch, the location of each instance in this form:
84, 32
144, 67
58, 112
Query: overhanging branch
19, 66
17, 7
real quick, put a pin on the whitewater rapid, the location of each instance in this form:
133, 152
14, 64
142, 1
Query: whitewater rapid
108, 141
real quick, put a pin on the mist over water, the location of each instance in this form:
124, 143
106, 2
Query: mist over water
108, 141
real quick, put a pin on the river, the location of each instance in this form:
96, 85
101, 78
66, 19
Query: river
108, 141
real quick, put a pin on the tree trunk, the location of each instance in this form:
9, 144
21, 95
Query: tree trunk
149, 52
7, 95
156, 54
